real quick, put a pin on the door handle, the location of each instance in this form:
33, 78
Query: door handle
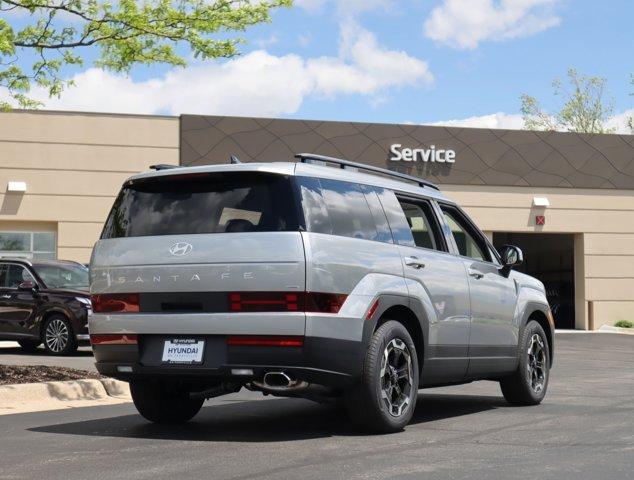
414, 262
475, 273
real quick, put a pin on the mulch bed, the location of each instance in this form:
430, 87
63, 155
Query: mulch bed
12, 374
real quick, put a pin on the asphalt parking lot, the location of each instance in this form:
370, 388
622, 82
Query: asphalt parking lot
12, 354
583, 430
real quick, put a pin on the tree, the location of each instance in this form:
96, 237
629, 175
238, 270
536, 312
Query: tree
584, 108
55, 33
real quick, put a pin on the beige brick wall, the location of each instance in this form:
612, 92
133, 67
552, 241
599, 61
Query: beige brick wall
73, 165
603, 221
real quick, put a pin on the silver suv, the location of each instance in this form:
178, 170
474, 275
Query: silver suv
304, 280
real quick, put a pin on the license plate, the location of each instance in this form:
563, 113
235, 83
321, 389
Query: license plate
183, 350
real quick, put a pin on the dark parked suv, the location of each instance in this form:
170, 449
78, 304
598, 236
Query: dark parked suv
43, 301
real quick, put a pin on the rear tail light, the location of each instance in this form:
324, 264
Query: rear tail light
285, 302
265, 341
324, 302
237, 302
115, 302
264, 302
114, 339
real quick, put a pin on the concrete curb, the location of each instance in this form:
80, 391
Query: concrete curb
33, 397
611, 329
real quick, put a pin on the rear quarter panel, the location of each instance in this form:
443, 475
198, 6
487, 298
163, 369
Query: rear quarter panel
361, 269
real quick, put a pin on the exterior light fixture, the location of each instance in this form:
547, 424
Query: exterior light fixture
541, 202
17, 187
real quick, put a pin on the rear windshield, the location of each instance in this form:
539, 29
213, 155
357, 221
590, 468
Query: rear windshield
203, 203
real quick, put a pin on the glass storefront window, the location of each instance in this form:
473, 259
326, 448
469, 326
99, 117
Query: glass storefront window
15, 242
37, 245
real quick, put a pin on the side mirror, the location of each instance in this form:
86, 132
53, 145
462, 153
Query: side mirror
512, 256
27, 286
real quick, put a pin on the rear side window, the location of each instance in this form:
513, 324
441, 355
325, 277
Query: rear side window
203, 203
380, 220
348, 210
401, 232
342, 208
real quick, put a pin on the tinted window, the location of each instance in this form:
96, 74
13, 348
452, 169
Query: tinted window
419, 217
338, 208
348, 210
314, 206
63, 276
467, 240
207, 203
380, 221
396, 218
14, 275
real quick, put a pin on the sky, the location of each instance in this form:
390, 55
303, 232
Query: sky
452, 62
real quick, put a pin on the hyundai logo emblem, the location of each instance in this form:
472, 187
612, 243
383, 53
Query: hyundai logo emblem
181, 248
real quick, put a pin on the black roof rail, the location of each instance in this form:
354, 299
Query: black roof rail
163, 166
304, 157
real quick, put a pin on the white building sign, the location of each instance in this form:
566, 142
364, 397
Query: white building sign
431, 154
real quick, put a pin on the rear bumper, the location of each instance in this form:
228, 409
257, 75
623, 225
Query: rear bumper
323, 361
332, 353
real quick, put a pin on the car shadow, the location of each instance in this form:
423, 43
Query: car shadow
268, 420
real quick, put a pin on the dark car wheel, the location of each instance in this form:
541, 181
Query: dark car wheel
385, 399
58, 336
161, 402
527, 386
29, 345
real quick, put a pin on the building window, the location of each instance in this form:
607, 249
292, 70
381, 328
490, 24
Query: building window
38, 245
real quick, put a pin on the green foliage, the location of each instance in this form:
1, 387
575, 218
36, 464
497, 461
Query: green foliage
125, 32
584, 108
624, 324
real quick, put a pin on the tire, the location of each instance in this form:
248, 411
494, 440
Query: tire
58, 336
161, 402
29, 345
528, 385
385, 403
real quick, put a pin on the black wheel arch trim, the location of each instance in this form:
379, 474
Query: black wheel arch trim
549, 327
415, 306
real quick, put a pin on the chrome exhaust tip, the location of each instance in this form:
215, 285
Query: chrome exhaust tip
276, 380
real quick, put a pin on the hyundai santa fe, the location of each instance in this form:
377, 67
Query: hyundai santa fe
323, 279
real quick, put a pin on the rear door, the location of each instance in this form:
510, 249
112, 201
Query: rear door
493, 340
186, 242
16, 307
432, 273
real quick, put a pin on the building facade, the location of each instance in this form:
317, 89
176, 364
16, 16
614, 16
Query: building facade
71, 166
566, 199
